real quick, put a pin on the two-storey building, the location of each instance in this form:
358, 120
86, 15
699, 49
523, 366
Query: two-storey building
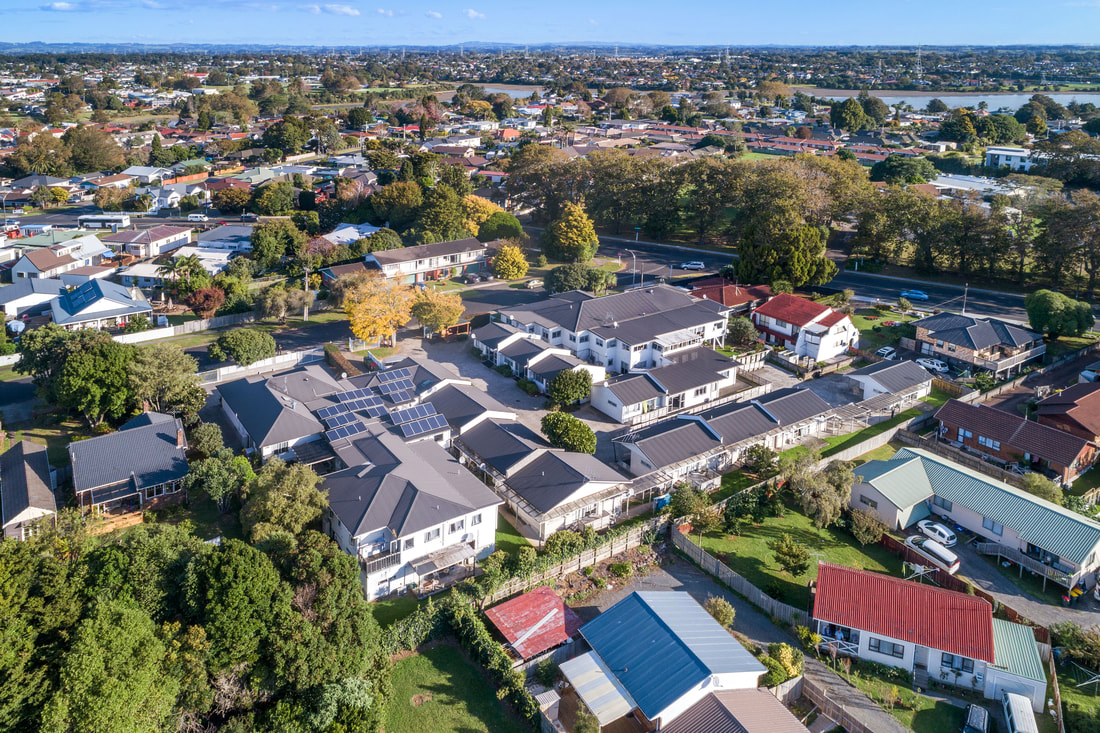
428, 262
983, 344
808, 329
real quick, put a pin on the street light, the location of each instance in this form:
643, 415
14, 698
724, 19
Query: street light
633, 267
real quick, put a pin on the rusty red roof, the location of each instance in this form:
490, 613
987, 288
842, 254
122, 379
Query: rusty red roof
904, 610
535, 621
792, 309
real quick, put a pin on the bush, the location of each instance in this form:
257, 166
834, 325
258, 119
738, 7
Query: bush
566, 431
621, 569
721, 609
808, 638
547, 672
563, 543
866, 527
570, 387
504, 370
790, 658
600, 583
206, 439
243, 345
336, 359
775, 675
529, 387
136, 324
542, 261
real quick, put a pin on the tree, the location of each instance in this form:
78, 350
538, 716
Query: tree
874, 108
575, 276
274, 240
477, 211
278, 302
113, 678
721, 610
111, 199
164, 377
91, 149
283, 497
382, 240
572, 237
205, 439
1057, 315
273, 199
377, 307
569, 387
741, 332
796, 255
935, 106
1044, 488
220, 475
866, 527
442, 213
397, 204
231, 200
500, 225
96, 381
848, 115
760, 459
565, 431
43, 351
694, 504
243, 345
287, 136
792, 556
510, 263
436, 309
206, 301
45, 154
903, 169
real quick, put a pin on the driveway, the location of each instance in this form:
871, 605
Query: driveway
835, 389
779, 378
1059, 378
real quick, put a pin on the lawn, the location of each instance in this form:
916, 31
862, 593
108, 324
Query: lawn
750, 556
393, 609
438, 690
866, 320
836, 443
732, 483
937, 397
206, 521
508, 537
916, 712
1089, 481
1065, 344
882, 453
55, 431
1077, 702
8, 373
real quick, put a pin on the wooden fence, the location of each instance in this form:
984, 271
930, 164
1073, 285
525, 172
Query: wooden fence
1053, 671
831, 709
776, 609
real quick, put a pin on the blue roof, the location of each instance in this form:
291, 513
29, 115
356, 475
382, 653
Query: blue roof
660, 645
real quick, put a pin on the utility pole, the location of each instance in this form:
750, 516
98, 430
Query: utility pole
920, 71
965, 291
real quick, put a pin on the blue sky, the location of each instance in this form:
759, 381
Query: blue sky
352, 22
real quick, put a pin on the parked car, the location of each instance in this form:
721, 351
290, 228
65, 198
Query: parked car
933, 365
914, 295
532, 284
934, 552
471, 279
250, 217
977, 719
887, 352
198, 217
937, 532
692, 266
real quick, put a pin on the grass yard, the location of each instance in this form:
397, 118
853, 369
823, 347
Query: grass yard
882, 453
750, 556
8, 373
937, 397
1077, 702
836, 443
206, 521
1065, 344
866, 320
1089, 481
916, 712
508, 537
438, 690
732, 483
387, 611
55, 431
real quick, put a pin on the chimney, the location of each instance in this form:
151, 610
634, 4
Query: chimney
181, 439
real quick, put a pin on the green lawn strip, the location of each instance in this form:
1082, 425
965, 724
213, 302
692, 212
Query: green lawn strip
508, 537
7, 374
1066, 344
438, 690
750, 556
179, 318
733, 483
393, 609
937, 397
1089, 480
866, 320
837, 443
916, 712
55, 434
382, 352
882, 453
1079, 704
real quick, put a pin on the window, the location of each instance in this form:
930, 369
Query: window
573, 337
953, 661
612, 343
942, 503
869, 502
475, 520
888, 648
555, 334
431, 534
639, 347
612, 403
590, 511
951, 347
457, 526
599, 342
700, 392
939, 343
410, 543
584, 339
992, 526
964, 434
989, 442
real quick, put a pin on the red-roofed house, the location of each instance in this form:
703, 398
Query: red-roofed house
807, 328
931, 632
534, 622
742, 298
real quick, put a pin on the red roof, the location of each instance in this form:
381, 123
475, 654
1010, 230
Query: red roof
904, 610
534, 622
792, 309
722, 291
832, 319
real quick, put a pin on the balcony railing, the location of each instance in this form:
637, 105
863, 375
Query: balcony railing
1050, 573
998, 365
375, 563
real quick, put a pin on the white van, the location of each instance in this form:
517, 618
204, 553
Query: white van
1018, 713
934, 552
198, 217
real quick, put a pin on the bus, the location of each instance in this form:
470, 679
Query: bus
103, 221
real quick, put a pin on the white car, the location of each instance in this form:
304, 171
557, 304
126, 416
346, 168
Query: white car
198, 217
933, 365
887, 352
692, 266
938, 532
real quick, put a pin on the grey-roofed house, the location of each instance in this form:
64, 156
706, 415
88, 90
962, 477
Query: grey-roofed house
1060, 545
428, 262
31, 296
892, 377
737, 711
409, 513
98, 304
26, 492
465, 407
139, 467
232, 237
656, 654
984, 344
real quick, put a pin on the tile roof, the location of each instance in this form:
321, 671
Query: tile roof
975, 333
1079, 403
25, 480
894, 376
46, 259
736, 711
535, 621
728, 294
1014, 431
146, 455
793, 309
901, 609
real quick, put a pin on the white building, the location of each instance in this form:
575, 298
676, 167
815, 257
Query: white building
1017, 159
808, 329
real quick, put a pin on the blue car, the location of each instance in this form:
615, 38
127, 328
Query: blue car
914, 295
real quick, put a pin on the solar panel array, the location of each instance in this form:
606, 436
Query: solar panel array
367, 403
326, 412
430, 424
355, 394
412, 413
393, 375
400, 397
398, 385
345, 431
344, 418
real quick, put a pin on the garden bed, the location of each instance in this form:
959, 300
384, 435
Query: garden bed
606, 574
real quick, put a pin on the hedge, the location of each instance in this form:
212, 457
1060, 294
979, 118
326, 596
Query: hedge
336, 359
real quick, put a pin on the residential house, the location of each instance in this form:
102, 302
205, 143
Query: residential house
331, 274
79, 276
1076, 410
44, 263
98, 304
740, 299
892, 377
933, 633
428, 262
29, 296
638, 329
211, 259
1058, 544
737, 711
349, 233
120, 181
528, 356
535, 622
149, 242
655, 655
1017, 159
810, 330
230, 237
1008, 438
464, 406
147, 174
26, 489
140, 467
982, 344
142, 275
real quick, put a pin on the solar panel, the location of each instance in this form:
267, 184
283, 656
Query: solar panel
355, 394
399, 397
398, 385
326, 412
376, 411
430, 424
412, 413
343, 418
345, 431
364, 403
393, 375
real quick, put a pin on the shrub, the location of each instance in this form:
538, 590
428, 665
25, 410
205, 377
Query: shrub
600, 583
336, 359
547, 672
542, 261
621, 569
788, 656
569, 387
808, 638
504, 370
563, 543
243, 345
866, 527
529, 387
721, 609
566, 431
775, 675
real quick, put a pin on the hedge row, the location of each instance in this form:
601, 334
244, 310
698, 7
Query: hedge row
420, 627
336, 359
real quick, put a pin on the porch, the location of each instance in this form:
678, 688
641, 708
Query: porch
444, 568
1054, 572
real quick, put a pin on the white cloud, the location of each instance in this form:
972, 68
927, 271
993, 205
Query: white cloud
153, 5
473, 14
434, 14
341, 10
313, 9
387, 13
60, 7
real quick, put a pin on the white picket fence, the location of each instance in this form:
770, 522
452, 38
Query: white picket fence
279, 361
185, 328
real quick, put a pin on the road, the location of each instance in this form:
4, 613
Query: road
68, 217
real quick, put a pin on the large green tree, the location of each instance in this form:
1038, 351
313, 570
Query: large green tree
243, 345
1056, 314
272, 241
282, 497
566, 431
572, 237
91, 149
96, 382
795, 255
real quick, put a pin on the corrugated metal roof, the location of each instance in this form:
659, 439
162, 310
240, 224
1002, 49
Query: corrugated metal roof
601, 691
904, 610
660, 645
736, 711
1015, 651
902, 481
535, 621
894, 376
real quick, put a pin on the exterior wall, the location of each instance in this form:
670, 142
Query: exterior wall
1017, 454
714, 683
246, 440
999, 681
871, 388
14, 530
29, 303
834, 342
965, 680
283, 450
879, 505
418, 270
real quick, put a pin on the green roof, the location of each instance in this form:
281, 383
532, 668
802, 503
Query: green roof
901, 480
47, 239
1015, 652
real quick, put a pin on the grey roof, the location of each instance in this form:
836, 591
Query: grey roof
146, 418
493, 333
275, 410
25, 480
403, 487
426, 251
70, 307
144, 455
676, 440
634, 388
461, 404
25, 286
554, 476
691, 369
550, 366
521, 350
975, 333
232, 233
736, 711
579, 311
503, 447
894, 376
650, 325
661, 645
425, 373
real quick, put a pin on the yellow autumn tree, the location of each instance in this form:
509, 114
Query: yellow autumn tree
572, 237
377, 307
437, 310
510, 263
477, 211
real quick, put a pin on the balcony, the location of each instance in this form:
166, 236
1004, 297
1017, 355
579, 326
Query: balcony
380, 561
1048, 572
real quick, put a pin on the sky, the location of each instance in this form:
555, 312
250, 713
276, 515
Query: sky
436, 22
